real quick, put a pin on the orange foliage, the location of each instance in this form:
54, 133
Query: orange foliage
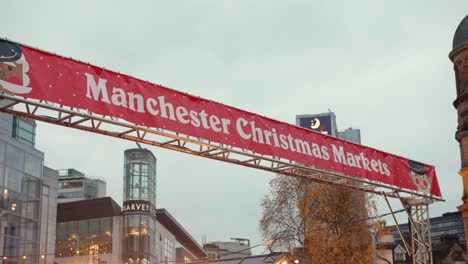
328, 222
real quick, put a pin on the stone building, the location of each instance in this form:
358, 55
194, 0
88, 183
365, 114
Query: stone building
459, 57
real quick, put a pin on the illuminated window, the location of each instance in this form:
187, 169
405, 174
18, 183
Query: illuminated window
74, 184
20, 192
85, 237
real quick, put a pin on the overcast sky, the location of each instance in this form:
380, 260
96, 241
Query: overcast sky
381, 66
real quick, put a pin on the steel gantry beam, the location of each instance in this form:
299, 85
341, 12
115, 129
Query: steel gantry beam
106, 125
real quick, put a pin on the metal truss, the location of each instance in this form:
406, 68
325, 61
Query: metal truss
419, 247
106, 125
418, 215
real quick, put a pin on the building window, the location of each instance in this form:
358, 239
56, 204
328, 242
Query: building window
90, 189
14, 157
33, 166
85, 237
20, 189
13, 179
65, 195
24, 131
140, 176
139, 237
168, 249
400, 255
75, 184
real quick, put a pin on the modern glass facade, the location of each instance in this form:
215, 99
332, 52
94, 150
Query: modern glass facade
168, 250
73, 186
139, 232
449, 224
140, 176
88, 231
84, 237
139, 239
24, 130
20, 194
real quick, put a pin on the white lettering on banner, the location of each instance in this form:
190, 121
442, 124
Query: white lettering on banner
166, 106
139, 99
181, 113
136, 102
304, 147
287, 142
359, 161
96, 89
118, 97
150, 103
241, 122
246, 129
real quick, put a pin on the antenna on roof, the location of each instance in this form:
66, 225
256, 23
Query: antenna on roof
138, 144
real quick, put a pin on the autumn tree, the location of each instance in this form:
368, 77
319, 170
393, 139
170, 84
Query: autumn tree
280, 220
329, 223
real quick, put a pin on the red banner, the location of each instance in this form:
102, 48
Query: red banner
39, 75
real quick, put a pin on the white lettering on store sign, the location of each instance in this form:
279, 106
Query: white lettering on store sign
136, 207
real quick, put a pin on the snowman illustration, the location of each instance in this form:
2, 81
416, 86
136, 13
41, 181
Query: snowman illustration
418, 175
13, 69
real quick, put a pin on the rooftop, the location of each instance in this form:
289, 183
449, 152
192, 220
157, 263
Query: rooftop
87, 209
107, 207
182, 236
461, 34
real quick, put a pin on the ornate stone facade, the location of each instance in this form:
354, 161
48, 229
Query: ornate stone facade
459, 57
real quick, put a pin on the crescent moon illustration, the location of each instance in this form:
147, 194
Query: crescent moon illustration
315, 123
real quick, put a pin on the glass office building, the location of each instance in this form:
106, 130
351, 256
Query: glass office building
447, 225
88, 231
139, 211
24, 130
74, 185
84, 237
21, 169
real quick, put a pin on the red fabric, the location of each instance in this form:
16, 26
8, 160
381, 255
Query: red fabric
15, 80
62, 80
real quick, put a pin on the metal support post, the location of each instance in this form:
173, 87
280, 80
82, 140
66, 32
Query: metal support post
418, 214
